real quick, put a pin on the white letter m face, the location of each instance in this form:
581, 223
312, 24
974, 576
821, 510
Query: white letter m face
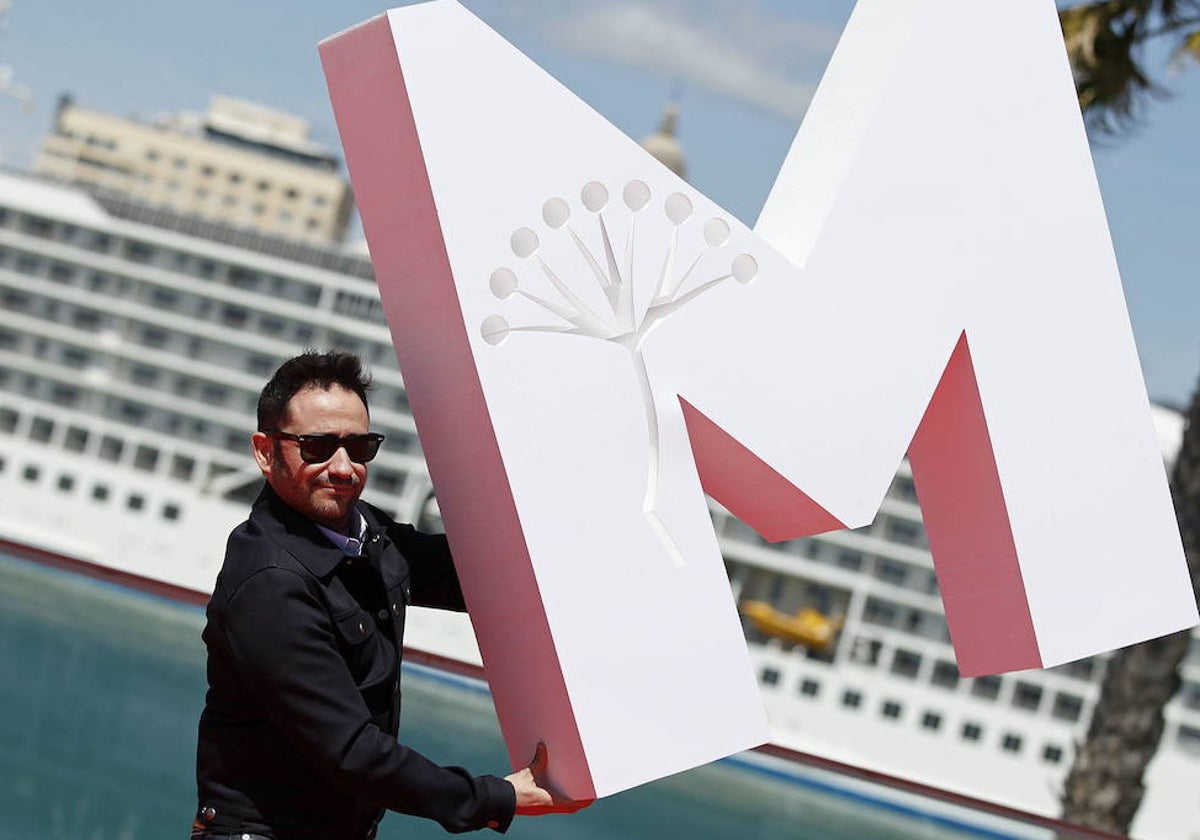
590, 346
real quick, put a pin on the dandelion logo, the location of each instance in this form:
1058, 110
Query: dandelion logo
624, 322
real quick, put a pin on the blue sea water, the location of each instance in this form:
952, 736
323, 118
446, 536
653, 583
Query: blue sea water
101, 688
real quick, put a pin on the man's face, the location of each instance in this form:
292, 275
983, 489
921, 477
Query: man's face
324, 492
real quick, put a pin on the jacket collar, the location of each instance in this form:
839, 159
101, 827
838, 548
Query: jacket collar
297, 534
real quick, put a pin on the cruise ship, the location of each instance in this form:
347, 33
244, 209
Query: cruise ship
134, 339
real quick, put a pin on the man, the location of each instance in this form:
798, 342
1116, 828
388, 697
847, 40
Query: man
297, 740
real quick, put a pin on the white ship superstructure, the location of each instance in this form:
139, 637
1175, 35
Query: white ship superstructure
133, 344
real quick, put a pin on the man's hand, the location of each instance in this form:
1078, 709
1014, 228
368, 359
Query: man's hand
533, 799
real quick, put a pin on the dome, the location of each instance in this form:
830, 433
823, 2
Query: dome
664, 145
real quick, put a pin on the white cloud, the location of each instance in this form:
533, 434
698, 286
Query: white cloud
730, 48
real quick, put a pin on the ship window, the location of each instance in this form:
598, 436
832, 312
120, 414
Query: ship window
1083, 669
892, 710
28, 264
164, 298
1191, 695
86, 319
145, 458
64, 395
1067, 707
138, 252
37, 226
1052, 754
76, 439
74, 357
906, 663
66, 483
945, 674
8, 419
986, 687
972, 732
769, 676
810, 688
892, 572
143, 375
1011, 743
1188, 738
154, 336
171, 512
136, 501
851, 699
183, 467
847, 559
100, 492
41, 429
111, 448
31, 473
903, 531
903, 488
1027, 696
866, 651
932, 721
61, 272
388, 482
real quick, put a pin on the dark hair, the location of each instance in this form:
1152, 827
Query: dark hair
309, 370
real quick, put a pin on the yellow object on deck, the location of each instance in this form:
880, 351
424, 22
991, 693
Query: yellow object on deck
810, 628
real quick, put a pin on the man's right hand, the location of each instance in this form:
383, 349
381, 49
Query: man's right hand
533, 797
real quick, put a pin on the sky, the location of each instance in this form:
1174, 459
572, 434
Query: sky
743, 72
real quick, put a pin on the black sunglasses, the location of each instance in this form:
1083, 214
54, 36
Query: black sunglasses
317, 449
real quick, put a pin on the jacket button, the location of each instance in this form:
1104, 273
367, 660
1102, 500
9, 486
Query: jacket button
383, 614
362, 627
208, 813
396, 609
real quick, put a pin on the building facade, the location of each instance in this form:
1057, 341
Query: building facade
240, 164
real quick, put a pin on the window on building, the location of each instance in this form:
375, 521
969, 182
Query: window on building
100, 492
1027, 696
1052, 754
31, 473
851, 699
171, 512
945, 674
769, 676
810, 687
906, 663
986, 687
903, 531
972, 732
8, 420
135, 501
931, 721
891, 710
66, 483
1011, 743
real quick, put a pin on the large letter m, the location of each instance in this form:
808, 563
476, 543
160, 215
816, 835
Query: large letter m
590, 345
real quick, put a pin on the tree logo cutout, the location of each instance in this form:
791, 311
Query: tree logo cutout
623, 323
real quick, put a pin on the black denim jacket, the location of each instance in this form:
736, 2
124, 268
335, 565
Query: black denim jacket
298, 735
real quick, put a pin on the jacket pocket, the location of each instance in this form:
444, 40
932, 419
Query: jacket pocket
355, 628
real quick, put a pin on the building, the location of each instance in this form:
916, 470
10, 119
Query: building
241, 164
